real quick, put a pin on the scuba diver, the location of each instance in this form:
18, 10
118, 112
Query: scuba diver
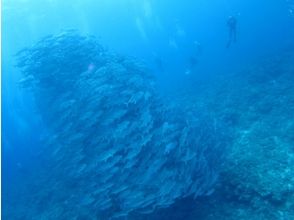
232, 25
194, 57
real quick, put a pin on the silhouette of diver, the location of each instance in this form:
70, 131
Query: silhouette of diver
197, 51
232, 25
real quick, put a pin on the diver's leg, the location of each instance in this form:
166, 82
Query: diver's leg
230, 38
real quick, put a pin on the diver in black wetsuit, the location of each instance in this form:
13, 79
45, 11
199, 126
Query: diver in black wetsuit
232, 25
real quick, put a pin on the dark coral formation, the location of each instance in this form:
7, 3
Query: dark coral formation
114, 147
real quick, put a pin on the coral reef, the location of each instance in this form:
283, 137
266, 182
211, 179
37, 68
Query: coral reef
258, 103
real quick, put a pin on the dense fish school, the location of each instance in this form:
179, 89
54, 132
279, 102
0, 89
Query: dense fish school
114, 146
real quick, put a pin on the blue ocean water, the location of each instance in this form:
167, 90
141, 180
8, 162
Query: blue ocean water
140, 109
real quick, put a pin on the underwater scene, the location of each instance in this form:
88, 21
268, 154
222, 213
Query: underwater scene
147, 110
